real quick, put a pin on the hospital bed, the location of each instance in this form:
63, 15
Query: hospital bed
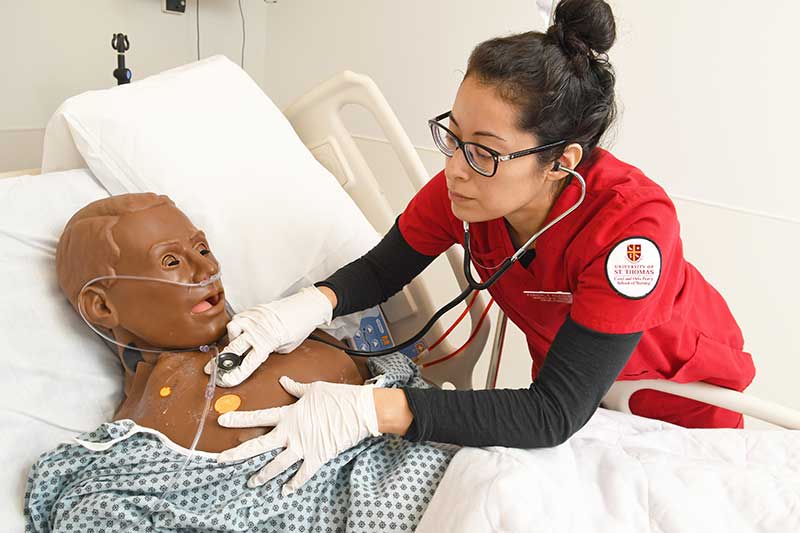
317, 119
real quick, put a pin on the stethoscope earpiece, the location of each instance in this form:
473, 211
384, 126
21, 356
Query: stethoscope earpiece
557, 166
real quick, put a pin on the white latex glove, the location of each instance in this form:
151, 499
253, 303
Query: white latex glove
278, 326
328, 419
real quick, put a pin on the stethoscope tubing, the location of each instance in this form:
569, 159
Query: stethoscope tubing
473, 284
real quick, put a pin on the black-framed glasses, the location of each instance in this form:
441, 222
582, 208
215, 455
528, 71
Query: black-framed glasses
481, 158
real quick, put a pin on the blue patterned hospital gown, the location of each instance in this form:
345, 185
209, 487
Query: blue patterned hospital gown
382, 484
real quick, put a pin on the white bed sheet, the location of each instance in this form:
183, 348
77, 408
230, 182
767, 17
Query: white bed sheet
623, 473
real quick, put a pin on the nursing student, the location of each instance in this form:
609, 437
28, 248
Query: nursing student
529, 106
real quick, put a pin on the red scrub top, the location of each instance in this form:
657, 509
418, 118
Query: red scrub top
620, 256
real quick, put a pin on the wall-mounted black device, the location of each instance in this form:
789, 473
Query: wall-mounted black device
177, 7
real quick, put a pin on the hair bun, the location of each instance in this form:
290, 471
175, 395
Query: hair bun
584, 27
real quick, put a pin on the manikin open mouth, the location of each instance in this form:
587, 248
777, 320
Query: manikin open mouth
210, 302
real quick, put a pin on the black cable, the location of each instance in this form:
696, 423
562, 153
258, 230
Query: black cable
198, 30
241, 12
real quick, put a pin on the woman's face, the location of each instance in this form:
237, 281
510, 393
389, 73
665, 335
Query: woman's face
162, 243
480, 115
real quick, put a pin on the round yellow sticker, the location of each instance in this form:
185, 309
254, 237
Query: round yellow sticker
227, 403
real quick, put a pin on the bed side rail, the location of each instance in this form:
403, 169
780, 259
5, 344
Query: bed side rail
317, 119
618, 399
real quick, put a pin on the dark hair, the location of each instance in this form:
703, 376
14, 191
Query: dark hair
561, 80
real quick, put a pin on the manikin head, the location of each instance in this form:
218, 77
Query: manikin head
142, 235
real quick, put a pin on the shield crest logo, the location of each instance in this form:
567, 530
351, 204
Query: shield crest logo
634, 252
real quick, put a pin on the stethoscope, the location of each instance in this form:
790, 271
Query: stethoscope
228, 361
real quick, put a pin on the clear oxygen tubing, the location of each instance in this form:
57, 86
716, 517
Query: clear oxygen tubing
209, 395
473, 284
204, 348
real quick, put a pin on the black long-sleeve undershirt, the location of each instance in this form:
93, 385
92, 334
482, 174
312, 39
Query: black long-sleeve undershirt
579, 368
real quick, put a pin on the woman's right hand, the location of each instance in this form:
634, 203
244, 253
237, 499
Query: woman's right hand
279, 326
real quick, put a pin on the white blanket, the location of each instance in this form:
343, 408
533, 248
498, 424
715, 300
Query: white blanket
625, 473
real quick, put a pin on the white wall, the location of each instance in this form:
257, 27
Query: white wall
705, 89
53, 49
708, 112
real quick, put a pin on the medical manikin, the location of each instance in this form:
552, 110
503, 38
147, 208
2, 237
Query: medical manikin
147, 235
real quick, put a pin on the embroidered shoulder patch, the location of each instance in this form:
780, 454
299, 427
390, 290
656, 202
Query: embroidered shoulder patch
633, 267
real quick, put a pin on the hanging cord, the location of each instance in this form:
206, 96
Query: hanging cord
244, 31
198, 30
244, 34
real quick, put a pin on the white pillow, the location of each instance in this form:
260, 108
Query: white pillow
58, 379
207, 136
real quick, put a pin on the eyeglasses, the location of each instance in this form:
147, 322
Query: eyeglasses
481, 158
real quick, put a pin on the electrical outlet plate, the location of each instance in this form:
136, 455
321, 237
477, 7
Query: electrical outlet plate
176, 7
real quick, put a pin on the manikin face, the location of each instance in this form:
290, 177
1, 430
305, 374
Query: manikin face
161, 242
480, 115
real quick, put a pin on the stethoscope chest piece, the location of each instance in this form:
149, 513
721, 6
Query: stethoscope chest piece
228, 361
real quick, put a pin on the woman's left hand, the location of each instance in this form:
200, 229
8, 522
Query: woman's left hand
327, 419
